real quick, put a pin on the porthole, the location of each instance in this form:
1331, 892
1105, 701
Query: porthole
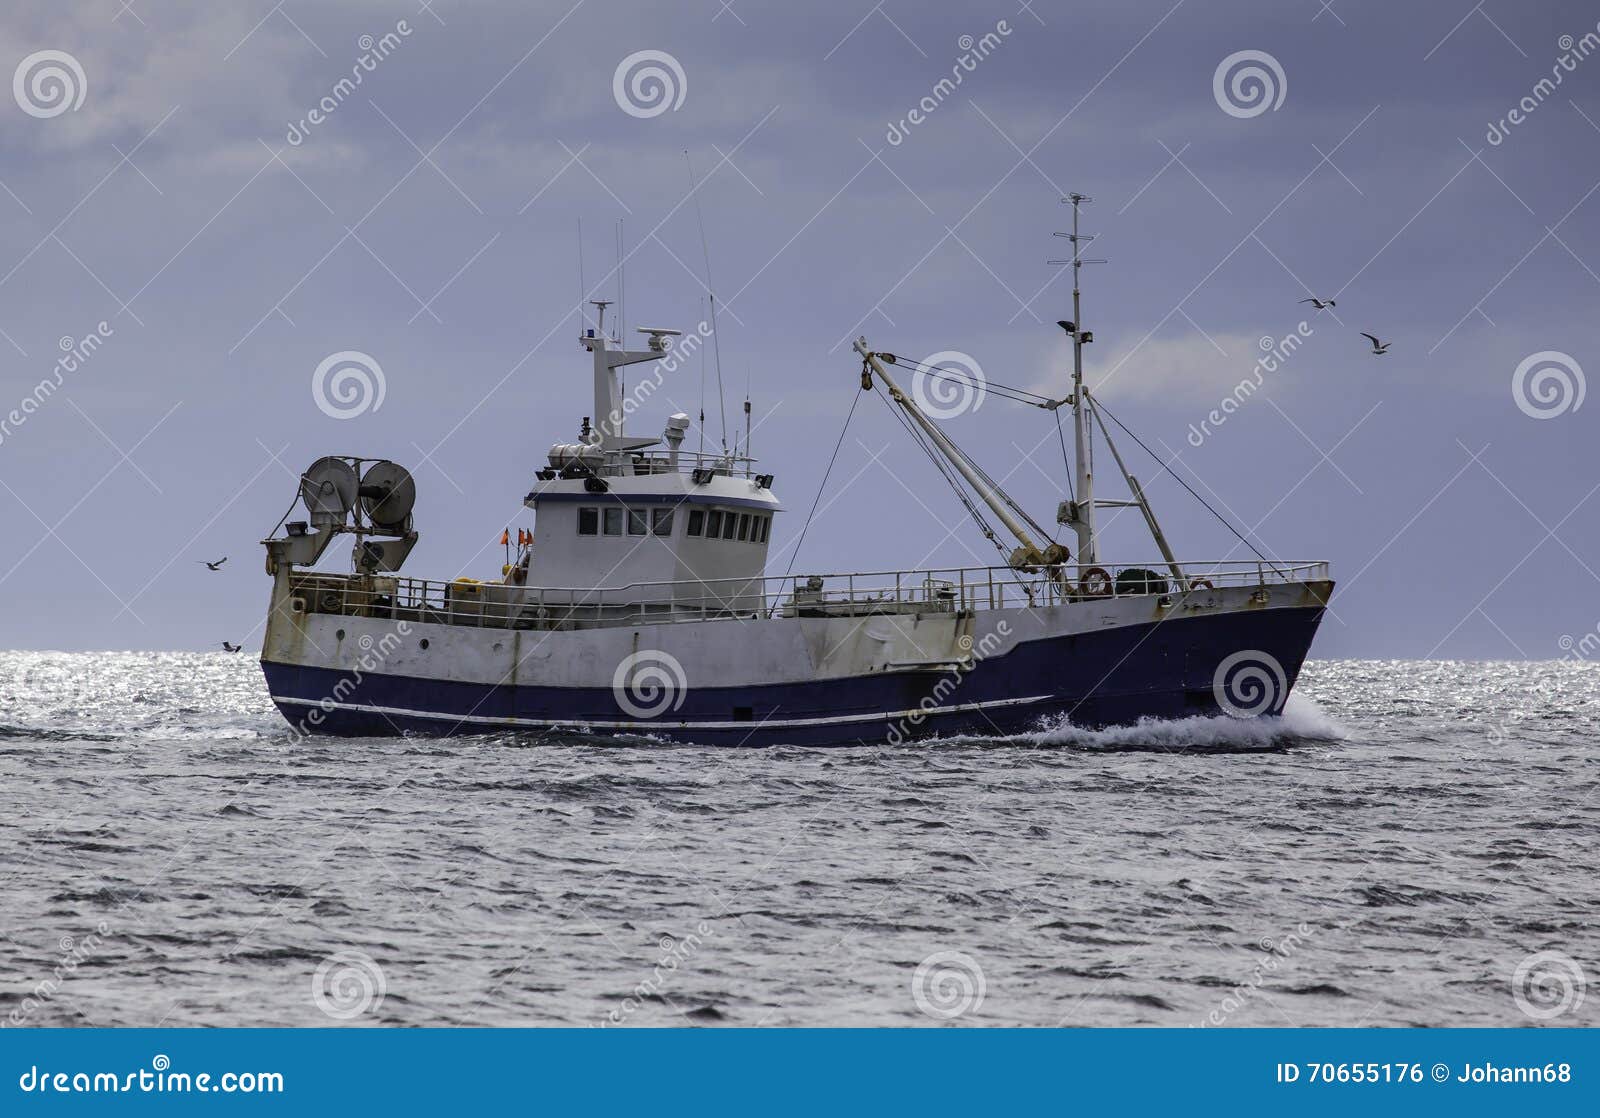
339, 634
423, 644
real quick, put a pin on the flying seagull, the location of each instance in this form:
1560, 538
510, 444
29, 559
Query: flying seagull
1378, 348
1320, 303
226, 647
216, 565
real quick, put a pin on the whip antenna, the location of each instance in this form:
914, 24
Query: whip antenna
716, 344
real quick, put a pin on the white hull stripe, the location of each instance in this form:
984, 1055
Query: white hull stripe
660, 724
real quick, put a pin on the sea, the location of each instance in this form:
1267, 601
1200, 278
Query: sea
1411, 843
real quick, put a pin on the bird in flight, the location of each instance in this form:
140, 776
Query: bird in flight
226, 647
214, 566
1320, 303
1378, 348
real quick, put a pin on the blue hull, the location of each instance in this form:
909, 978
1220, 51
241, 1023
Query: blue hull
1103, 678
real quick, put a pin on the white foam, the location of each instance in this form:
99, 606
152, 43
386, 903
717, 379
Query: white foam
1302, 719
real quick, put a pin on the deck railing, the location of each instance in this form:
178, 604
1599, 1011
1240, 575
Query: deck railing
497, 605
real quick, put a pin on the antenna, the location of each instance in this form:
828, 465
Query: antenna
702, 451
583, 288
716, 342
600, 324
621, 321
1082, 513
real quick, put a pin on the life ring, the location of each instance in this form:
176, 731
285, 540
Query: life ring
1095, 583
1200, 583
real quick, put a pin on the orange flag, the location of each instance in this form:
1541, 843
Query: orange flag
505, 537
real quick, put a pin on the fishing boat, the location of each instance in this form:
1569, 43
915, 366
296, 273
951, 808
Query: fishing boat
639, 605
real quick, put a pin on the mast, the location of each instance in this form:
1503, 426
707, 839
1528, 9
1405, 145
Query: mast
610, 437
1082, 513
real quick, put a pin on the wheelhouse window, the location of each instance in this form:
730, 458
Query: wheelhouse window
613, 521
697, 521
661, 521
730, 524
636, 522
713, 524
588, 522
744, 526
766, 522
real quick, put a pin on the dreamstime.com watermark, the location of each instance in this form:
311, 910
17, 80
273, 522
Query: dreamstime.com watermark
949, 383
1274, 353
373, 655
157, 1079
682, 349
1572, 52
948, 984
1250, 683
1274, 952
74, 353
347, 384
948, 682
347, 984
1548, 984
373, 51
48, 83
74, 953
1547, 384
973, 51
675, 951
1248, 83
648, 83
649, 682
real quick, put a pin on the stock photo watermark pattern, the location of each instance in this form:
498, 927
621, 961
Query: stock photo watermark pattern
157, 1079
1249, 83
373, 51
348, 384
1572, 53
643, 389
48, 83
916, 189
974, 51
948, 383
1548, 384
648, 83
348, 984
74, 953
1275, 352
674, 954
371, 654
948, 984
649, 683
1275, 951
949, 682
75, 353
1548, 984
1250, 683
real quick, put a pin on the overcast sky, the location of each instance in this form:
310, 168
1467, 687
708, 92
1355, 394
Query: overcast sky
181, 194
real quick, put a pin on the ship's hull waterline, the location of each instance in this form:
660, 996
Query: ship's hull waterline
861, 680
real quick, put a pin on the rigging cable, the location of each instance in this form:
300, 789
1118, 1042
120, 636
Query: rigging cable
716, 343
821, 488
1066, 464
943, 467
702, 424
1004, 391
1099, 407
